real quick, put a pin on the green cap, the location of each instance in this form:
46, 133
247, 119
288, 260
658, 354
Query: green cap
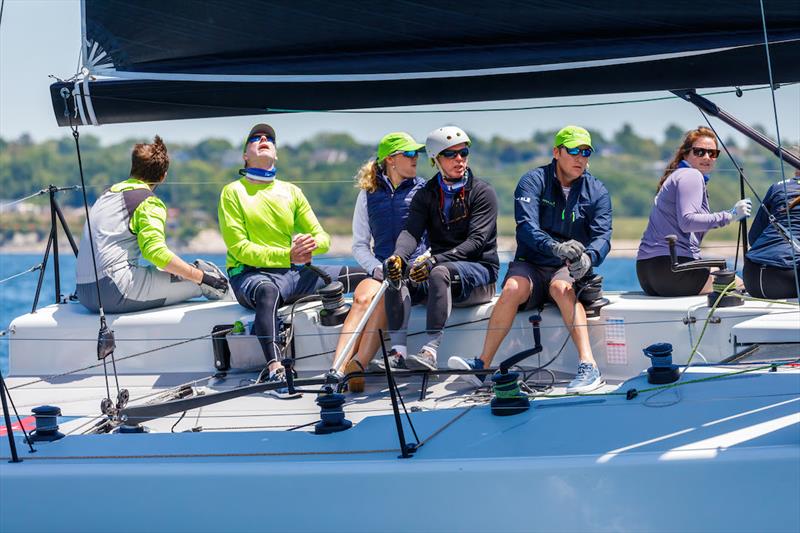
573, 136
398, 141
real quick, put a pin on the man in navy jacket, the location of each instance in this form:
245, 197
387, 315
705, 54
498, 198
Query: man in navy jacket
563, 216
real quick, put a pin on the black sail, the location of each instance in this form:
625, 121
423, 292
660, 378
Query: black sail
164, 60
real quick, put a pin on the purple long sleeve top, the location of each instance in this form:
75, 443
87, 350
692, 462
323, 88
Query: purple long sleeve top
680, 208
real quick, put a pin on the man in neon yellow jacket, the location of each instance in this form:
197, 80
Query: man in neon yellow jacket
268, 226
127, 224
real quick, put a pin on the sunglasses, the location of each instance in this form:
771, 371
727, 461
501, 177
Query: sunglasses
411, 154
701, 152
451, 154
257, 138
585, 152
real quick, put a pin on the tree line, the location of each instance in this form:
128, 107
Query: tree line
324, 166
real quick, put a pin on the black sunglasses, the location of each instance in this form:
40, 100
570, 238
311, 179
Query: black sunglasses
701, 152
451, 154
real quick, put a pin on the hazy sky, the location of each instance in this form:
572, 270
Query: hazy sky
42, 37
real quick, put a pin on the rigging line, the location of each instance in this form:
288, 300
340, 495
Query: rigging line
517, 108
31, 269
780, 153
2, 4
103, 327
447, 425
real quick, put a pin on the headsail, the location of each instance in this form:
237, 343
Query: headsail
187, 59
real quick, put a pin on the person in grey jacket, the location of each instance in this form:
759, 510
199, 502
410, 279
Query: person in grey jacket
681, 208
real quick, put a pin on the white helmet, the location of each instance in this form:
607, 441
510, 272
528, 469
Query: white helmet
443, 138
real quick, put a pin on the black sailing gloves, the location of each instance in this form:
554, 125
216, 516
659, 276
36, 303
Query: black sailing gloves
214, 284
422, 269
393, 268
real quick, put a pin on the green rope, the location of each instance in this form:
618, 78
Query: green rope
671, 385
766, 300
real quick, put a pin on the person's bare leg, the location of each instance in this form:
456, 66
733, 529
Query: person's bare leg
574, 317
516, 291
370, 338
362, 296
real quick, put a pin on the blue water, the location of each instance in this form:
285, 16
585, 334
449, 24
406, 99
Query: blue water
16, 295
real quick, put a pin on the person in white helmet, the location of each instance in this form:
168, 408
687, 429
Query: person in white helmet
459, 213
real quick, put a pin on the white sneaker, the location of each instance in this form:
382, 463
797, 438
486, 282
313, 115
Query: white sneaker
587, 379
459, 363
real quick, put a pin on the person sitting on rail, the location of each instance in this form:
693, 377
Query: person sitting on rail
563, 216
459, 213
388, 183
127, 224
772, 264
680, 208
271, 233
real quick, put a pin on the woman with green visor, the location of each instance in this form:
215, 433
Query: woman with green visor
388, 183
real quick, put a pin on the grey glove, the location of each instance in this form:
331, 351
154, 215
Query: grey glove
377, 273
214, 284
579, 268
568, 251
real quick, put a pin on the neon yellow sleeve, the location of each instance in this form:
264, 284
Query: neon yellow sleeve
241, 249
148, 223
306, 222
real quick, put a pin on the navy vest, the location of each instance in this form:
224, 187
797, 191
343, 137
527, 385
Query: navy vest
387, 211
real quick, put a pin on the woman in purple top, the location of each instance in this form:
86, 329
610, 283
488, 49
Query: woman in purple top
681, 208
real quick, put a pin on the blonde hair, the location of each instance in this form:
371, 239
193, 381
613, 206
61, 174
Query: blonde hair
684, 149
367, 176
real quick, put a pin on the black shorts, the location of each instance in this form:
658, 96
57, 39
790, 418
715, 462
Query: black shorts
540, 278
657, 278
767, 281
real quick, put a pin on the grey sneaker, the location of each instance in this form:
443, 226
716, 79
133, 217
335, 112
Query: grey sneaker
281, 392
587, 379
459, 363
424, 360
396, 361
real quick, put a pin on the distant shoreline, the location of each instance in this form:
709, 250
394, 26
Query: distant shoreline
210, 242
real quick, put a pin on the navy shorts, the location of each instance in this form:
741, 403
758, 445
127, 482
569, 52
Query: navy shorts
292, 284
540, 278
467, 274
471, 275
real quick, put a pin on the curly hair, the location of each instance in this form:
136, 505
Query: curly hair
367, 176
684, 149
149, 162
